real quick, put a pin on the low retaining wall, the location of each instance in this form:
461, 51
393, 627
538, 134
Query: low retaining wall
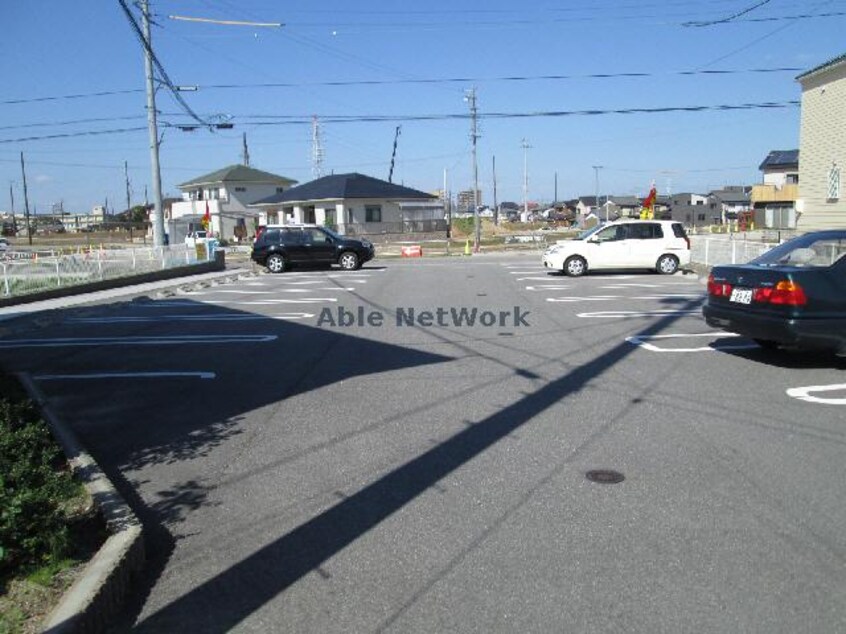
218, 264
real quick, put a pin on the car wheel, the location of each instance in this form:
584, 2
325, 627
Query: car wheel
766, 344
349, 261
276, 263
667, 264
575, 266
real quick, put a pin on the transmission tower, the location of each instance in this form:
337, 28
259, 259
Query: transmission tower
316, 148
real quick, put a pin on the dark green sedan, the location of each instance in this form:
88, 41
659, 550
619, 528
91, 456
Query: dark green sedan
793, 295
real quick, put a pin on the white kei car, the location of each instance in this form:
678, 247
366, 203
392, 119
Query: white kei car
659, 245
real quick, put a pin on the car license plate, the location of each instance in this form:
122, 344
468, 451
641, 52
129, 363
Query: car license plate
741, 295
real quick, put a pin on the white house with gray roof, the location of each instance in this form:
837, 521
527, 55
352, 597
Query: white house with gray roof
355, 204
227, 193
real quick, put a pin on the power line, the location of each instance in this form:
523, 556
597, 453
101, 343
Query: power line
433, 80
730, 18
163, 76
306, 120
464, 80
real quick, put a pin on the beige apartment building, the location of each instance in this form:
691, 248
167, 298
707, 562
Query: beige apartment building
822, 147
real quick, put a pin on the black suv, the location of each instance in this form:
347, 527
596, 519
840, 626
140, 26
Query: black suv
279, 248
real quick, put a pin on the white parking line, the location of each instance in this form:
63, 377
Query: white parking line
623, 286
271, 302
613, 314
311, 290
231, 291
804, 393
548, 287
642, 341
602, 298
594, 298
125, 375
203, 317
61, 342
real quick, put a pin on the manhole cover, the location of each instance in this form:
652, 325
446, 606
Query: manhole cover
605, 476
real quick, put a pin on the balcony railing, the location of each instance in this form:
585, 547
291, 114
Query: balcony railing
774, 194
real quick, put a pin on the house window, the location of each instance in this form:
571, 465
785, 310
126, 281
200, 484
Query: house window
240, 189
701, 217
792, 179
279, 190
373, 213
834, 183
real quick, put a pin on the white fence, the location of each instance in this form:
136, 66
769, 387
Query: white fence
24, 272
712, 250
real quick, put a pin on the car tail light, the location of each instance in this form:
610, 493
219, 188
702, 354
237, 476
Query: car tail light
718, 289
785, 293
687, 240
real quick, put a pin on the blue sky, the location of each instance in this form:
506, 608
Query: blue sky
56, 48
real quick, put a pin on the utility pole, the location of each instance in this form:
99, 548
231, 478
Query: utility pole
474, 136
26, 202
496, 205
12, 198
448, 204
152, 125
556, 188
316, 148
128, 204
394, 153
245, 153
596, 169
525, 145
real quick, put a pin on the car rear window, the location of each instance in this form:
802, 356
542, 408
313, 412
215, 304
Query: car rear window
678, 230
645, 231
808, 251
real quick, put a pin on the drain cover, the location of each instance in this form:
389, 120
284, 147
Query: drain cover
605, 476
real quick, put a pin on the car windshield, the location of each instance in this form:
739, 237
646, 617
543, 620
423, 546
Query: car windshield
332, 233
584, 235
818, 250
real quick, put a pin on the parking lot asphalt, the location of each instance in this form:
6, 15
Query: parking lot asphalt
342, 451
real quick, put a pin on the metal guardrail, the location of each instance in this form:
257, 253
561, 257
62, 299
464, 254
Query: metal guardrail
23, 272
711, 250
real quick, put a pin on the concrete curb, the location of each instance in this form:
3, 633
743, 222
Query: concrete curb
97, 595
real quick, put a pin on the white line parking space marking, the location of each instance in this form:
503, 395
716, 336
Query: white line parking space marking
311, 290
271, 302
602, 298
642, 341
595, 298
804, 394
548, 278
62, 342
548, 287
125, 375
202, 317
231, 292
614, 314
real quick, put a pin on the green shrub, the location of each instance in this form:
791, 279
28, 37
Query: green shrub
34, 485
464, 226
